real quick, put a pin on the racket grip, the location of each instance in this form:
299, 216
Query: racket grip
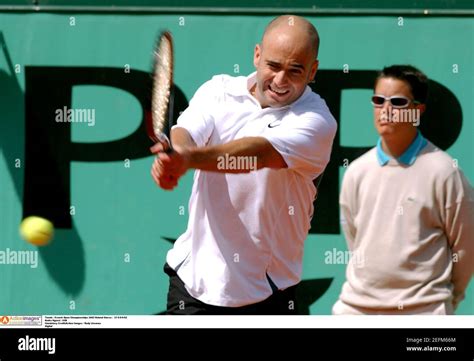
165, 142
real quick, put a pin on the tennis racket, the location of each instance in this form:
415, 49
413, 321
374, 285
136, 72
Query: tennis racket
160, 119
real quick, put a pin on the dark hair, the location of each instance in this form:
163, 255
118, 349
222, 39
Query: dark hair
417, 80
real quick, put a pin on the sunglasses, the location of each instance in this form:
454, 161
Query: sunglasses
396, 101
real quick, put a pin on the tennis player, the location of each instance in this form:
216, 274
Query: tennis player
256, 143
407, 212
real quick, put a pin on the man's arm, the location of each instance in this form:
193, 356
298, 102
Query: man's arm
181, 139
248, 154
245, 151
459, 229
238, 156
346, 202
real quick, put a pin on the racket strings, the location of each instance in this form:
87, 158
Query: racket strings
162, 84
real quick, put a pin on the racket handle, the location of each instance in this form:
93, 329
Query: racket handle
165, 142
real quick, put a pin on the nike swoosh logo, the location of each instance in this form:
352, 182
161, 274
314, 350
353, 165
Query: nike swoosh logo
278, 122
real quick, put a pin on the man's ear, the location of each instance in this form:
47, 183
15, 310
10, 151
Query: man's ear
312, 72
256, 55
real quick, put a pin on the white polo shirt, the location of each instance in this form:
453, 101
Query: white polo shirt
244, 226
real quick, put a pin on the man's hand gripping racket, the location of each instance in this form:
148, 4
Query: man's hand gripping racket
168, 165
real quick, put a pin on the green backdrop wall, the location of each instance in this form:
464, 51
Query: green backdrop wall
107, 257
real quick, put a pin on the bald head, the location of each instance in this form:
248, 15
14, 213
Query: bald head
296, 27
286, 61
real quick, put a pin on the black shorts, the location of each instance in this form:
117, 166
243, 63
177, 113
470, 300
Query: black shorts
180, 302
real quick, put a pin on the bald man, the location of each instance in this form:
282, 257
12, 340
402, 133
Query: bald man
256, 144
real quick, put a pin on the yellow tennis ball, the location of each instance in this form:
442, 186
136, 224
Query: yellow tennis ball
36, 230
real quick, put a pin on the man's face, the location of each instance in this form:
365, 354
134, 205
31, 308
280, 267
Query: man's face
390, 121
284, 67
